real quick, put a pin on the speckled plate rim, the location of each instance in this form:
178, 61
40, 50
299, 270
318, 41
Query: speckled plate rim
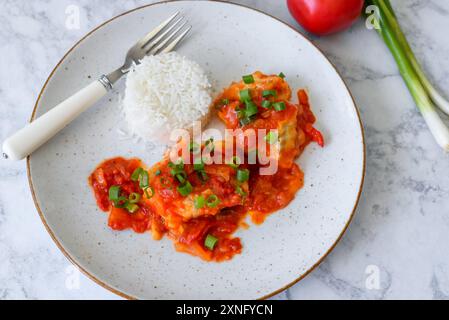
124, 295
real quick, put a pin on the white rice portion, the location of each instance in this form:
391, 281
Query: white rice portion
163, 93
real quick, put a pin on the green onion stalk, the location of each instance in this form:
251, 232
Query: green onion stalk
420, 88
433, 93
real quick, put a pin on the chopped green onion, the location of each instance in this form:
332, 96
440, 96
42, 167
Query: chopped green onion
179, 165
114, 196
266, 104
199, 202
198, 166
251, 109
235, 162
210, 144
242, 175
132, 207
281, 75
248, 79
158, 172
210, 242
268, 93
181, 176
279, 106
212, 201
244, 121
245, 95
185, 189
240, 191
114, 193
121, 202
144, 179
194, 147
149, 196
136, 174
225, 102
271, 137
202, 175
134, 197
177, 169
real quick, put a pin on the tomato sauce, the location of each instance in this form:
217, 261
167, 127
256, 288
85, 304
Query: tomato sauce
164, 211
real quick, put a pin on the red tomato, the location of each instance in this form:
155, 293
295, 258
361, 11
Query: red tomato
322, 17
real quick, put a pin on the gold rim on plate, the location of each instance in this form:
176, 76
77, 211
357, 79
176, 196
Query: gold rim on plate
122, 294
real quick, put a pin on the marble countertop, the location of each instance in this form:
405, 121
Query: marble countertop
395, 248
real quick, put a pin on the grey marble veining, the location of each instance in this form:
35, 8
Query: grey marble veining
401, 229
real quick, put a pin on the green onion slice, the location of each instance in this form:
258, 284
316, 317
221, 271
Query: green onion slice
185, 189
268, 93
202, 175
245, 95
240, 191
149, 195
271, 137
144, 179
132, 207
282, 75
210, 242
235, 162
136, 174
210, 144
212, 201
114, 193
158, 172
225, 102
200, 202
266, 104
244, 121
279, 106
198, 166
251, 109
121, 202
248, 79
194, 147
242, 175
134, 197
181, 176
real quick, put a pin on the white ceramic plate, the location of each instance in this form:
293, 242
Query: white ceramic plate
228, 41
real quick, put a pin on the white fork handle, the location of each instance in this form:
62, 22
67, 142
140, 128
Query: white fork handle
33, 135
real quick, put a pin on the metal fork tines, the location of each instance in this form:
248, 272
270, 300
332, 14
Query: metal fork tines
158, 40
162, 39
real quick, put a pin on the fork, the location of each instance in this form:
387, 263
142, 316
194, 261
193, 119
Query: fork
162, 39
